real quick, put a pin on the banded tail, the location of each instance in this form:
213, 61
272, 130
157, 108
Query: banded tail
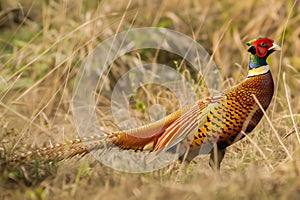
149, 137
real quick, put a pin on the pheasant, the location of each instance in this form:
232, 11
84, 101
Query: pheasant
208, 126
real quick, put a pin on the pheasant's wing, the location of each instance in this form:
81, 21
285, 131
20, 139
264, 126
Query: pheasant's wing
140, 137
157, 127
186, 123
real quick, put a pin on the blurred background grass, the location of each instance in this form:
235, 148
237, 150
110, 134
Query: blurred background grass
43, 44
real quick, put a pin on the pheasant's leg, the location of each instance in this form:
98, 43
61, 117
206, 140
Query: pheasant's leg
185, 159
216, 157
187, 155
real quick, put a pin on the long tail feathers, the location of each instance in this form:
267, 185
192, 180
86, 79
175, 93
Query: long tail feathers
63, 151
155, 136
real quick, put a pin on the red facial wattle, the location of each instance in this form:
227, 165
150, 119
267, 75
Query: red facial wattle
261, 51
262, 45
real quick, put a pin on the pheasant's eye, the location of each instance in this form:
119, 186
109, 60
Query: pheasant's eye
263, 44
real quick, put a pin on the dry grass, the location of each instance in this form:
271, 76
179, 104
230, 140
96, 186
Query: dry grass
42, 46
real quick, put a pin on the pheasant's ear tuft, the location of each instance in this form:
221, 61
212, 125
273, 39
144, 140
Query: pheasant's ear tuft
251, 42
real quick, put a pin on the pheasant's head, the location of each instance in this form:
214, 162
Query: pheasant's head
260, 48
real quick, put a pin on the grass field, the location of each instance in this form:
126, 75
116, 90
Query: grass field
44, 43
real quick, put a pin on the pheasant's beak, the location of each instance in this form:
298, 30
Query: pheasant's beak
275, 47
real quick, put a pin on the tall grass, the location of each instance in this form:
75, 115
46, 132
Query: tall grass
43, 44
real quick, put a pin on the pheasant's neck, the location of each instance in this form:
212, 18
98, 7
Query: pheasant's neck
258, 71
257, 66
256, 61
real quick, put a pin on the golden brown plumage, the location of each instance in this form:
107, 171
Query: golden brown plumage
214, 122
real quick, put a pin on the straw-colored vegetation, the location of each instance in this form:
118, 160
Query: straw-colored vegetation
44, 43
